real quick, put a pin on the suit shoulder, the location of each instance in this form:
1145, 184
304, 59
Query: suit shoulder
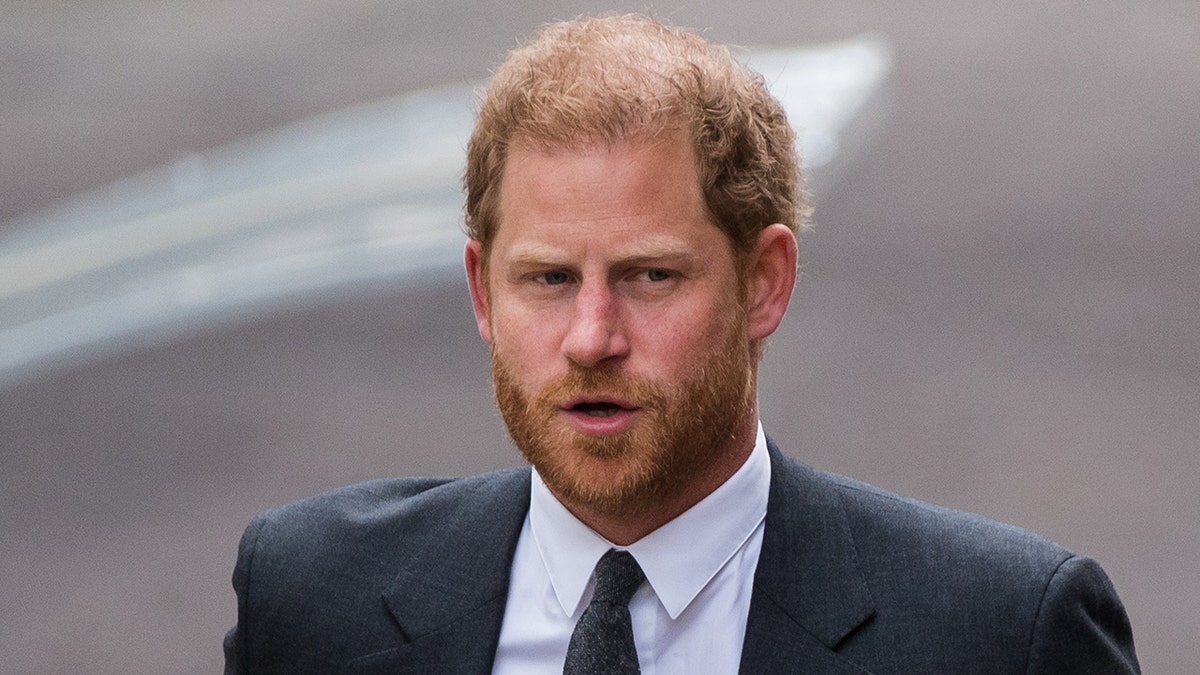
945, 590
939, 532
381, 513
308, 571
1056, 611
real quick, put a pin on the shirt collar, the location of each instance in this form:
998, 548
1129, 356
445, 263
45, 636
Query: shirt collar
677, 562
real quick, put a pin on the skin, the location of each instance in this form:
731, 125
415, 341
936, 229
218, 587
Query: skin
605, 261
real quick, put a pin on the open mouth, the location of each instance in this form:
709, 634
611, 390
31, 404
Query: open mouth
597, 408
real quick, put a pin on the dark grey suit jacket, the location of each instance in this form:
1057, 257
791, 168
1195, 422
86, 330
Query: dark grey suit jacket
411, 576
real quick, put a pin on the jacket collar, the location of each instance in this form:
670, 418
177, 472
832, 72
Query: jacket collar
449, 598
809, 591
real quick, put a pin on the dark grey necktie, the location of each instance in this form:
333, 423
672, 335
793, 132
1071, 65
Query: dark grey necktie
603, 638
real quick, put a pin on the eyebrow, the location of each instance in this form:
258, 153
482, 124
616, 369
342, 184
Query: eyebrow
645, 250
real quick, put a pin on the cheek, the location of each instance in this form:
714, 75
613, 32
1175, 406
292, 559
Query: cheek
527, 347
677, 344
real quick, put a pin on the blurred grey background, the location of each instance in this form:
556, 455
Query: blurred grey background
998, 309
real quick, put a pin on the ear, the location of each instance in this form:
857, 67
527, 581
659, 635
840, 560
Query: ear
473, 261
772, 276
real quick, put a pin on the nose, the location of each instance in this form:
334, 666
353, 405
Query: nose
596, 333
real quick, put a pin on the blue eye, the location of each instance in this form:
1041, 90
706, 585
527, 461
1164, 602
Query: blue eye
658, 275
554, 278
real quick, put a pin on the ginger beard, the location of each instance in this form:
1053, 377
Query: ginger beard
681, 431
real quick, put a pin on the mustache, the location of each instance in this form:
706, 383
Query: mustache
601, 383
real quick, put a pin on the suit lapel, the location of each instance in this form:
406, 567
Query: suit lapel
809, 592
449, 599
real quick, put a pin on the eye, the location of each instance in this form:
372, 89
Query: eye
657, 275
554, 278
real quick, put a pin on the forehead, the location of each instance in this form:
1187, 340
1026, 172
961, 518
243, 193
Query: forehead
640, 186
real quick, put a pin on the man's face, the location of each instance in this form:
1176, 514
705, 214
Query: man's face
620, 352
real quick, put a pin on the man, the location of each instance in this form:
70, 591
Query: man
633, 201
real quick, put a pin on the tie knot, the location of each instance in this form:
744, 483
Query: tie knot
618, 577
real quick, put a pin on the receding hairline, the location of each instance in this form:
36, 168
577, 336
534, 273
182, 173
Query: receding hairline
617, 78
677, 136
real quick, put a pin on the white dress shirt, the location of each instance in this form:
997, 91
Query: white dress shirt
689, 618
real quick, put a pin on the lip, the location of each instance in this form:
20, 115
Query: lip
585, 422
611, 400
